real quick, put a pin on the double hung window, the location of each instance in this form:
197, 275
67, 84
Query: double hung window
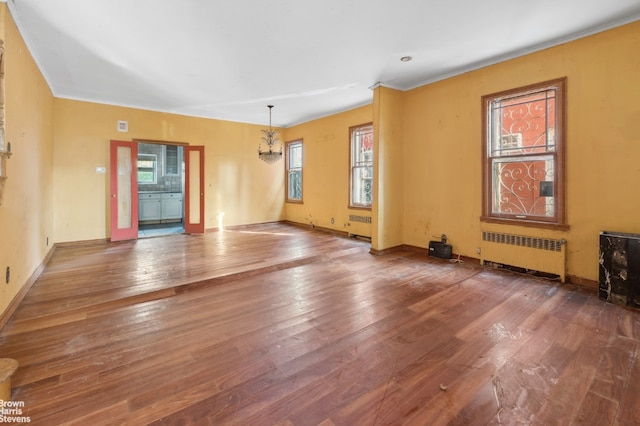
361, 189
524, 155
294, 171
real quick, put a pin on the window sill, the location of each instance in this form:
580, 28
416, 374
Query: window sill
359, 208
294, 201
526, 223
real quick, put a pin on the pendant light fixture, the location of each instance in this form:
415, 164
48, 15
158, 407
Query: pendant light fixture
270, 138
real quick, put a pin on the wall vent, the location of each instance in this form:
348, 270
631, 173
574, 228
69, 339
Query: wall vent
524, 251
357, 218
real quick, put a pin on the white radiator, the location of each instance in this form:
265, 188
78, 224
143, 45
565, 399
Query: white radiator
358, 218
523, 251
359, 226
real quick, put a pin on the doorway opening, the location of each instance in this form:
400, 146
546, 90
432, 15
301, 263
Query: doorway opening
161, 178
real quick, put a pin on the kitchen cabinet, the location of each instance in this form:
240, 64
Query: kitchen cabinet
171, 206
149, 207
172, 160
159, 206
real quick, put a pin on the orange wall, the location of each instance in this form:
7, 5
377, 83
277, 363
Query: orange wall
443, 146
239, 188
325, 175
26, 212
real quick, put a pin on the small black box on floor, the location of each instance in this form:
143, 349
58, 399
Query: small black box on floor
439, 249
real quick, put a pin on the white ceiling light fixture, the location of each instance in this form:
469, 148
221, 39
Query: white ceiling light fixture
270, 138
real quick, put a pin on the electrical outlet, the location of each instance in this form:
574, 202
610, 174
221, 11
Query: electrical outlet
477, 250
332, 221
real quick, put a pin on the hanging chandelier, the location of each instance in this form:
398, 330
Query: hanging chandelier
270, 138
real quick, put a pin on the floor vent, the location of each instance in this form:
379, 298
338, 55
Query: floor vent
357, 218
524, 251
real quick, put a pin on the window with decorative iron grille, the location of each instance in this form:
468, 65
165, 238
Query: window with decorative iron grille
294, 171
361, 188
524, 146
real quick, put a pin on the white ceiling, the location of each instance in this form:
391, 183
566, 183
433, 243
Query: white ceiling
230, 59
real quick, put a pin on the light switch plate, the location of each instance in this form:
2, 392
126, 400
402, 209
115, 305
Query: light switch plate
101, 170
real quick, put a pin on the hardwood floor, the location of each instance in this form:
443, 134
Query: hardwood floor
276, 324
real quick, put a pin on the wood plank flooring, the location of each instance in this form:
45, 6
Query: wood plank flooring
279, 325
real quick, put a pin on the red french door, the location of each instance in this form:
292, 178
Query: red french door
194, 189
124, 190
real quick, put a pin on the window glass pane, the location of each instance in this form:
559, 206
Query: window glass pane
524, 186
362, 193
295, 185
145, 176
124, 187
524, 124
295, 156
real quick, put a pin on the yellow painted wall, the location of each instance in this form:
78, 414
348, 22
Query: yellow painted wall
325, 175
26, 212
443, 146
389, 187
239, 188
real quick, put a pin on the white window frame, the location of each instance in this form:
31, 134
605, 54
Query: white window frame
153, 169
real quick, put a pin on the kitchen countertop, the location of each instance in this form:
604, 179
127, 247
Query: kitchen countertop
159, 192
